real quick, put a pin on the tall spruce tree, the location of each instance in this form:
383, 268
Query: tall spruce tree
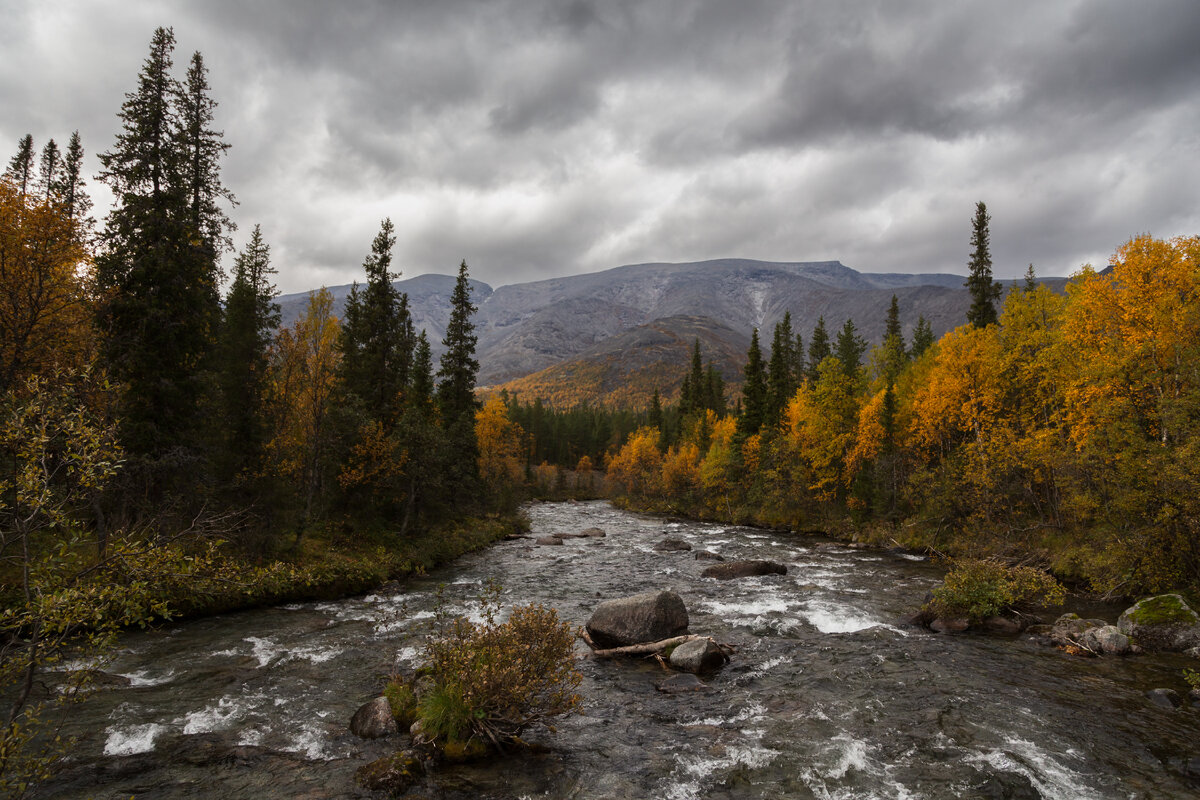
377, 336
692, 394
754, 391
895, 356
781, 384
850, 348
251, 317
797, 365
71, 190
49, 169
984, 290
456, 387
819, 348
201, 148
714, 394
922, 337
161, 304
21, 166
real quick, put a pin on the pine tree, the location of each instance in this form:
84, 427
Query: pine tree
818, 348
797, 365
251, 317
420, 393
161, 306
377, 336
692, 394
70, 190
850, 348
714, 394
1031, 282
984, 290
20, 167
780, 383
48, 170
754, 391
456, 389
895, 356
201, 149
922, 337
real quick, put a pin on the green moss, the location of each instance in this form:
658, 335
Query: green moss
456, 751
1166, 609
394, 773
402, 702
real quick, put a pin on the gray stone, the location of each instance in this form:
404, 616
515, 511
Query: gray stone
949, 625
1163, 623
646, 617
592, 533
1002, 625
708, 555
672, 546
1105, 640
549, 540
1165, 698
394, 773
374, 720
681, 683
743, 569
698, 655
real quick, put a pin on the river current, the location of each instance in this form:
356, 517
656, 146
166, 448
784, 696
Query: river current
828, 695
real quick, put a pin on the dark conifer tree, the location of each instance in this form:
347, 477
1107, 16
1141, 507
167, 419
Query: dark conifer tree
1031, 281
754, 391
797, 366
421, 392
422, 440
819, 348
922, 337
895, 356
20, 167
714, 390
70, 189
984, 290
780, 382
850, 348
655, 418
201, 148
49, 169
456, 387
377, 336
251, 317
161, 306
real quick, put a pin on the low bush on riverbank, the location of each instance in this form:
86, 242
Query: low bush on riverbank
483, 683
976, 589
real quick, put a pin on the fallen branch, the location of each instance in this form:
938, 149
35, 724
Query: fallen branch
644, 648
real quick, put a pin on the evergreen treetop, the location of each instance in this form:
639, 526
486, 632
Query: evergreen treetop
984, 290
818, 348
754, 391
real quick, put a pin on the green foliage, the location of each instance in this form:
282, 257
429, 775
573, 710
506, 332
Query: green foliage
819, 348
402, 701
494, 679
1192, 677
977, 589
754, 391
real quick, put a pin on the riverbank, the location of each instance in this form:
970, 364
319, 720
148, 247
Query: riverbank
332, 566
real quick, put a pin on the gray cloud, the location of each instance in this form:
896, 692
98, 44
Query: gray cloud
542, 138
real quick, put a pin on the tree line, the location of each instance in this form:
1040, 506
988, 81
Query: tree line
1059, 429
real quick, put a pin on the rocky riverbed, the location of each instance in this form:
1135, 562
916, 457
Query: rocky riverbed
828, 696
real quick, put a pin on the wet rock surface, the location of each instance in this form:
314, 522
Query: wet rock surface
743, 569
646, 617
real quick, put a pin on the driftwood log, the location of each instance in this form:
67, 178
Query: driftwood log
648, 648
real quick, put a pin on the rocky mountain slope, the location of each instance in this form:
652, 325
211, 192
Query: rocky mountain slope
525, 328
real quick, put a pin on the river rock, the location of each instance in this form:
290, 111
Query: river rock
681, 683
1164, 623
743, 569
1105, 640
393, 774
646, 617
549, 540
592, 533
708, 555
374, 720
698, 655
1001, 625
949, 625
1165, 698
672, 546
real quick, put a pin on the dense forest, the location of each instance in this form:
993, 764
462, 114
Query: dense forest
171, 450
1059, 430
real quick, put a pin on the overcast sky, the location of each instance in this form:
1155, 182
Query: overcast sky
538, 139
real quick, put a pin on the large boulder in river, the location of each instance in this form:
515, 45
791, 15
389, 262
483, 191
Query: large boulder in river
698, 655
672, 546
374, 720
743, 569
549, 540
1105, 640
1164, 622
646, 617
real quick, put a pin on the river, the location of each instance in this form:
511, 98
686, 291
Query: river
827, 696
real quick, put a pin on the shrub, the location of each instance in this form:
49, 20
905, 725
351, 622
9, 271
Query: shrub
402, 701
1192, 677
980, 588
492, 680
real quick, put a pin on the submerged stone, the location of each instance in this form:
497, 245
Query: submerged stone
393, 774
743, 569
681, 683
1165, 698
672, 546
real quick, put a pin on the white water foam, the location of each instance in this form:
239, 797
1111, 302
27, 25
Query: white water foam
844, 755
143, 677
688, 778
1053, 779
132, 739
768, 665
228, 711
836, 619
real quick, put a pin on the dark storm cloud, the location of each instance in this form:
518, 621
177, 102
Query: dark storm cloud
541, 138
